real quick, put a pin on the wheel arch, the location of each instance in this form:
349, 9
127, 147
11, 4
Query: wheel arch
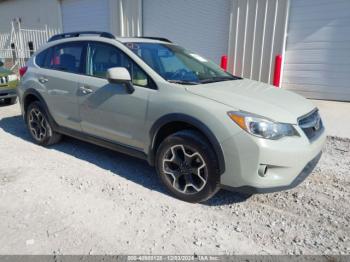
31, 95
172, 123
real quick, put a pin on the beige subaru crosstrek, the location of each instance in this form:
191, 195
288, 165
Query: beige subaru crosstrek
202, 128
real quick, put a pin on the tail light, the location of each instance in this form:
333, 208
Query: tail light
23, 70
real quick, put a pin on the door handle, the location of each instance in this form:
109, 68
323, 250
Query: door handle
85, 90
43, 80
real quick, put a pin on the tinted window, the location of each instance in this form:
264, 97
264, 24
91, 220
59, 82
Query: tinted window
103, 56
40, 58
66, 57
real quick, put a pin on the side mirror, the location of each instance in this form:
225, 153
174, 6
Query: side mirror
120, 75
1, 63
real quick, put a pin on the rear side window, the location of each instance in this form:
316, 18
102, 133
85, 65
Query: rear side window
68, 57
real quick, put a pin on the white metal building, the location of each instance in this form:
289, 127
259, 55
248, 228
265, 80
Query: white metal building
313, 36
317, 55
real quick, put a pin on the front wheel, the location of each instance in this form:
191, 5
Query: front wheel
187, 166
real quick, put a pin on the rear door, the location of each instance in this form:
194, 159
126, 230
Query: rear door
63, 66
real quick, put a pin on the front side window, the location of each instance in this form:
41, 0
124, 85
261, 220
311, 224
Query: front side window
66, 57
176, 64
102, 56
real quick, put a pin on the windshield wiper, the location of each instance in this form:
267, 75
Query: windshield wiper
181, 82
217, 79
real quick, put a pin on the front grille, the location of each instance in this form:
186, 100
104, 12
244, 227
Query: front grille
4, 80
311, 124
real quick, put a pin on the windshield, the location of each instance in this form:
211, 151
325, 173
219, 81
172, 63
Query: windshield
178, 65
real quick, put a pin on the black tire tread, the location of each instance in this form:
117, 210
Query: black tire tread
54, 137
213, 185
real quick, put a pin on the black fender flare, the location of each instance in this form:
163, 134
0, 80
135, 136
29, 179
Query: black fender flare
34, 92
179, 117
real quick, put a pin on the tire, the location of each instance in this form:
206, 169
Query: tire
10, 101
39, 126
188, 166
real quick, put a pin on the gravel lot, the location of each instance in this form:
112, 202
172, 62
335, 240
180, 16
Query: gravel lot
77, 198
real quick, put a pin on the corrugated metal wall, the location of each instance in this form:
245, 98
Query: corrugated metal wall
201, 26
33, 13
126, 17
85, 15
121, 17
257, 35
317, 63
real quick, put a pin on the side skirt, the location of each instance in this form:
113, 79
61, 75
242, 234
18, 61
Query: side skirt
134, 152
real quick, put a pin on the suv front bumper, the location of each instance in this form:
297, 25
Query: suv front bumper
288, 160
297, 181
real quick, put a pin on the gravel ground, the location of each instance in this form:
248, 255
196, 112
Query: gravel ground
77, 198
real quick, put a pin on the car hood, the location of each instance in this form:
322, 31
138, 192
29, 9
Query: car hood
257, 98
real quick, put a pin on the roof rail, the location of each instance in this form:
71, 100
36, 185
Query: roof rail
79, 33
156, 38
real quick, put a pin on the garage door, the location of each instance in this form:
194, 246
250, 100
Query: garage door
85, 15
318, 49
199, 25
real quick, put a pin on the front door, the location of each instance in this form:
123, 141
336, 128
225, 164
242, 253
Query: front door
107, 110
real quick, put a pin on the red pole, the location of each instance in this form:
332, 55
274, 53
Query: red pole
277, 73
224, 62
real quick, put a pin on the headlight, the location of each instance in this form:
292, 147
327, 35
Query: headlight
12, 78
262, 127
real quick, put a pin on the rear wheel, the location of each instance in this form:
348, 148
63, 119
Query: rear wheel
188, 167
39, 126
10, 101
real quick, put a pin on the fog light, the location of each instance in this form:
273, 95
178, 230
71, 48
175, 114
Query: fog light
262, 170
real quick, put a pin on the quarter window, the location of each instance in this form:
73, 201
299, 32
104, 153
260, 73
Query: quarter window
41, 57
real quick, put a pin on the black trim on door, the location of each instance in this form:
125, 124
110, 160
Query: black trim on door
131, 151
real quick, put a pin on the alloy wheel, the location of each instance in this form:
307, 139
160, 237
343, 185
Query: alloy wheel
185, 169
37, 124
